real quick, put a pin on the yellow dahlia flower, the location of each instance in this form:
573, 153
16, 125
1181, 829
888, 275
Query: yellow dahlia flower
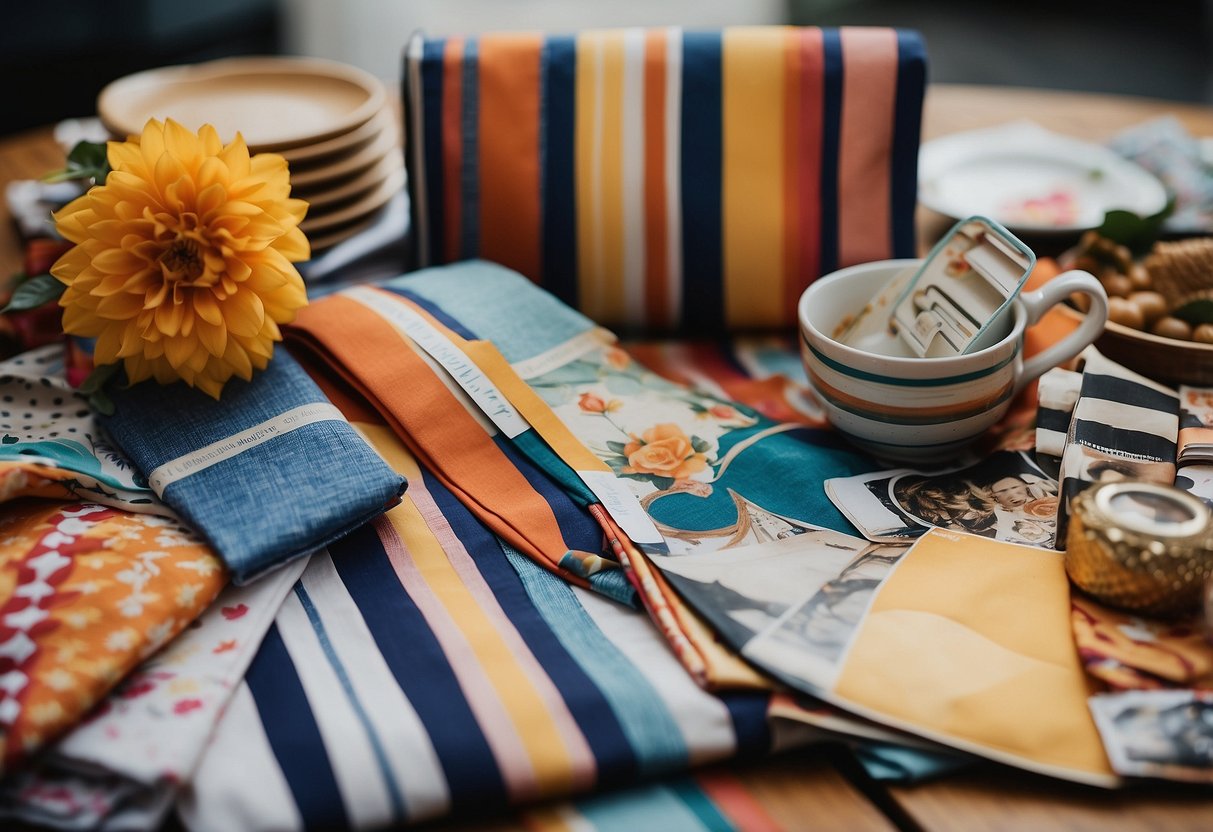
182, 263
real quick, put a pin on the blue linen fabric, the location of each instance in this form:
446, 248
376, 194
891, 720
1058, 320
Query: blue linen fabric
268, 503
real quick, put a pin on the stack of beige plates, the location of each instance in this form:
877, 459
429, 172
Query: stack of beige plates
330, 121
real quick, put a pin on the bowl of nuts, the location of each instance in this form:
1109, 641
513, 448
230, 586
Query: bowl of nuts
1160, 308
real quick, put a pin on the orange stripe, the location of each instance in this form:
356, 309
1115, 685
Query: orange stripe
869, 97
510, 220
452, 145
874, 410
792, 152
731, 797
656, 293
372, 356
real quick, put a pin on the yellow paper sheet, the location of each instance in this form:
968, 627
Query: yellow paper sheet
968, 642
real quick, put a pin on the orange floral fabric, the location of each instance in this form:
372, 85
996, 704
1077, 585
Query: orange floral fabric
664, 450
86, 593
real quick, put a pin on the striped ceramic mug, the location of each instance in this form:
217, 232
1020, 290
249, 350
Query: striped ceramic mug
926, 409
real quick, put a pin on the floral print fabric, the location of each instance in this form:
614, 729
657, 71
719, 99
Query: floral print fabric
86, 593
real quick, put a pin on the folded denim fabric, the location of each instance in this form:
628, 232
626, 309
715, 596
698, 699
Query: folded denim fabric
270, 473
122, 766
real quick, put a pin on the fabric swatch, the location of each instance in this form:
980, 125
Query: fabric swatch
662, 178
268, 474
91, 592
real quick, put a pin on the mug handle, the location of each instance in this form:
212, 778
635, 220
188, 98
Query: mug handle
1039, 302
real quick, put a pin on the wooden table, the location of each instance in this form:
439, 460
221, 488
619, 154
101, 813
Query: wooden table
822, 787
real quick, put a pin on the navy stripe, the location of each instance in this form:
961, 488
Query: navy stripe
1124, 391
390, 779
907, 129
557, 168
294, 736
614, 755
579, 530
748, 710
831, 126
1049, 419
701, 159
906, 382
1136, 444
433, 309
469, 124
431, 95
411, 112
420, 667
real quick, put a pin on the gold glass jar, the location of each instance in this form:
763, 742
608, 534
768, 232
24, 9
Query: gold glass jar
1140, 546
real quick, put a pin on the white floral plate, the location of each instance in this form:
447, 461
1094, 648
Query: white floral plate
1031, 179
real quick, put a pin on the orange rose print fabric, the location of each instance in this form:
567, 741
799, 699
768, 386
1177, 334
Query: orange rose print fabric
86, 593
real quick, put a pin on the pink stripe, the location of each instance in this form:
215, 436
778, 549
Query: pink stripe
585, 767
869, 93
491, 715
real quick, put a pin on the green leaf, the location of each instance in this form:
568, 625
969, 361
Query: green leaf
1136, 232
1196, 312
700, 445
34, 292
102, 403
87, 160
617, 447
97, 379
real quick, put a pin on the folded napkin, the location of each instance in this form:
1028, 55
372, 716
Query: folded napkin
90, 592
121, 768
268, 474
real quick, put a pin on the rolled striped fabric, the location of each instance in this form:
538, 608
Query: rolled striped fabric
1125, 426
270, 473
667, 179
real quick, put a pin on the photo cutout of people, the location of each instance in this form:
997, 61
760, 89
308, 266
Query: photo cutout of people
1158, 733
1005, 496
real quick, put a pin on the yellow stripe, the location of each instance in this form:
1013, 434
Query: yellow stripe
753, 175
532, 407
545, 745
588, 264
612, 178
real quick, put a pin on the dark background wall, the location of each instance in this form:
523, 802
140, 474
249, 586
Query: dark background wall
56, 55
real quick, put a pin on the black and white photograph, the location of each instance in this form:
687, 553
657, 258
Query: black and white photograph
1005, 497
808, 644
1158, 733
744, 591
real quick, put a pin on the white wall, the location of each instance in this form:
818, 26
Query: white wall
372, 33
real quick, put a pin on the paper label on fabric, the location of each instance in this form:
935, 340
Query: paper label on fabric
455, 361
183, 466
561, 354
622, 505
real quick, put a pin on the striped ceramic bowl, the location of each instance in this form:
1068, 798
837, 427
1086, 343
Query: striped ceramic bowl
926, 410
